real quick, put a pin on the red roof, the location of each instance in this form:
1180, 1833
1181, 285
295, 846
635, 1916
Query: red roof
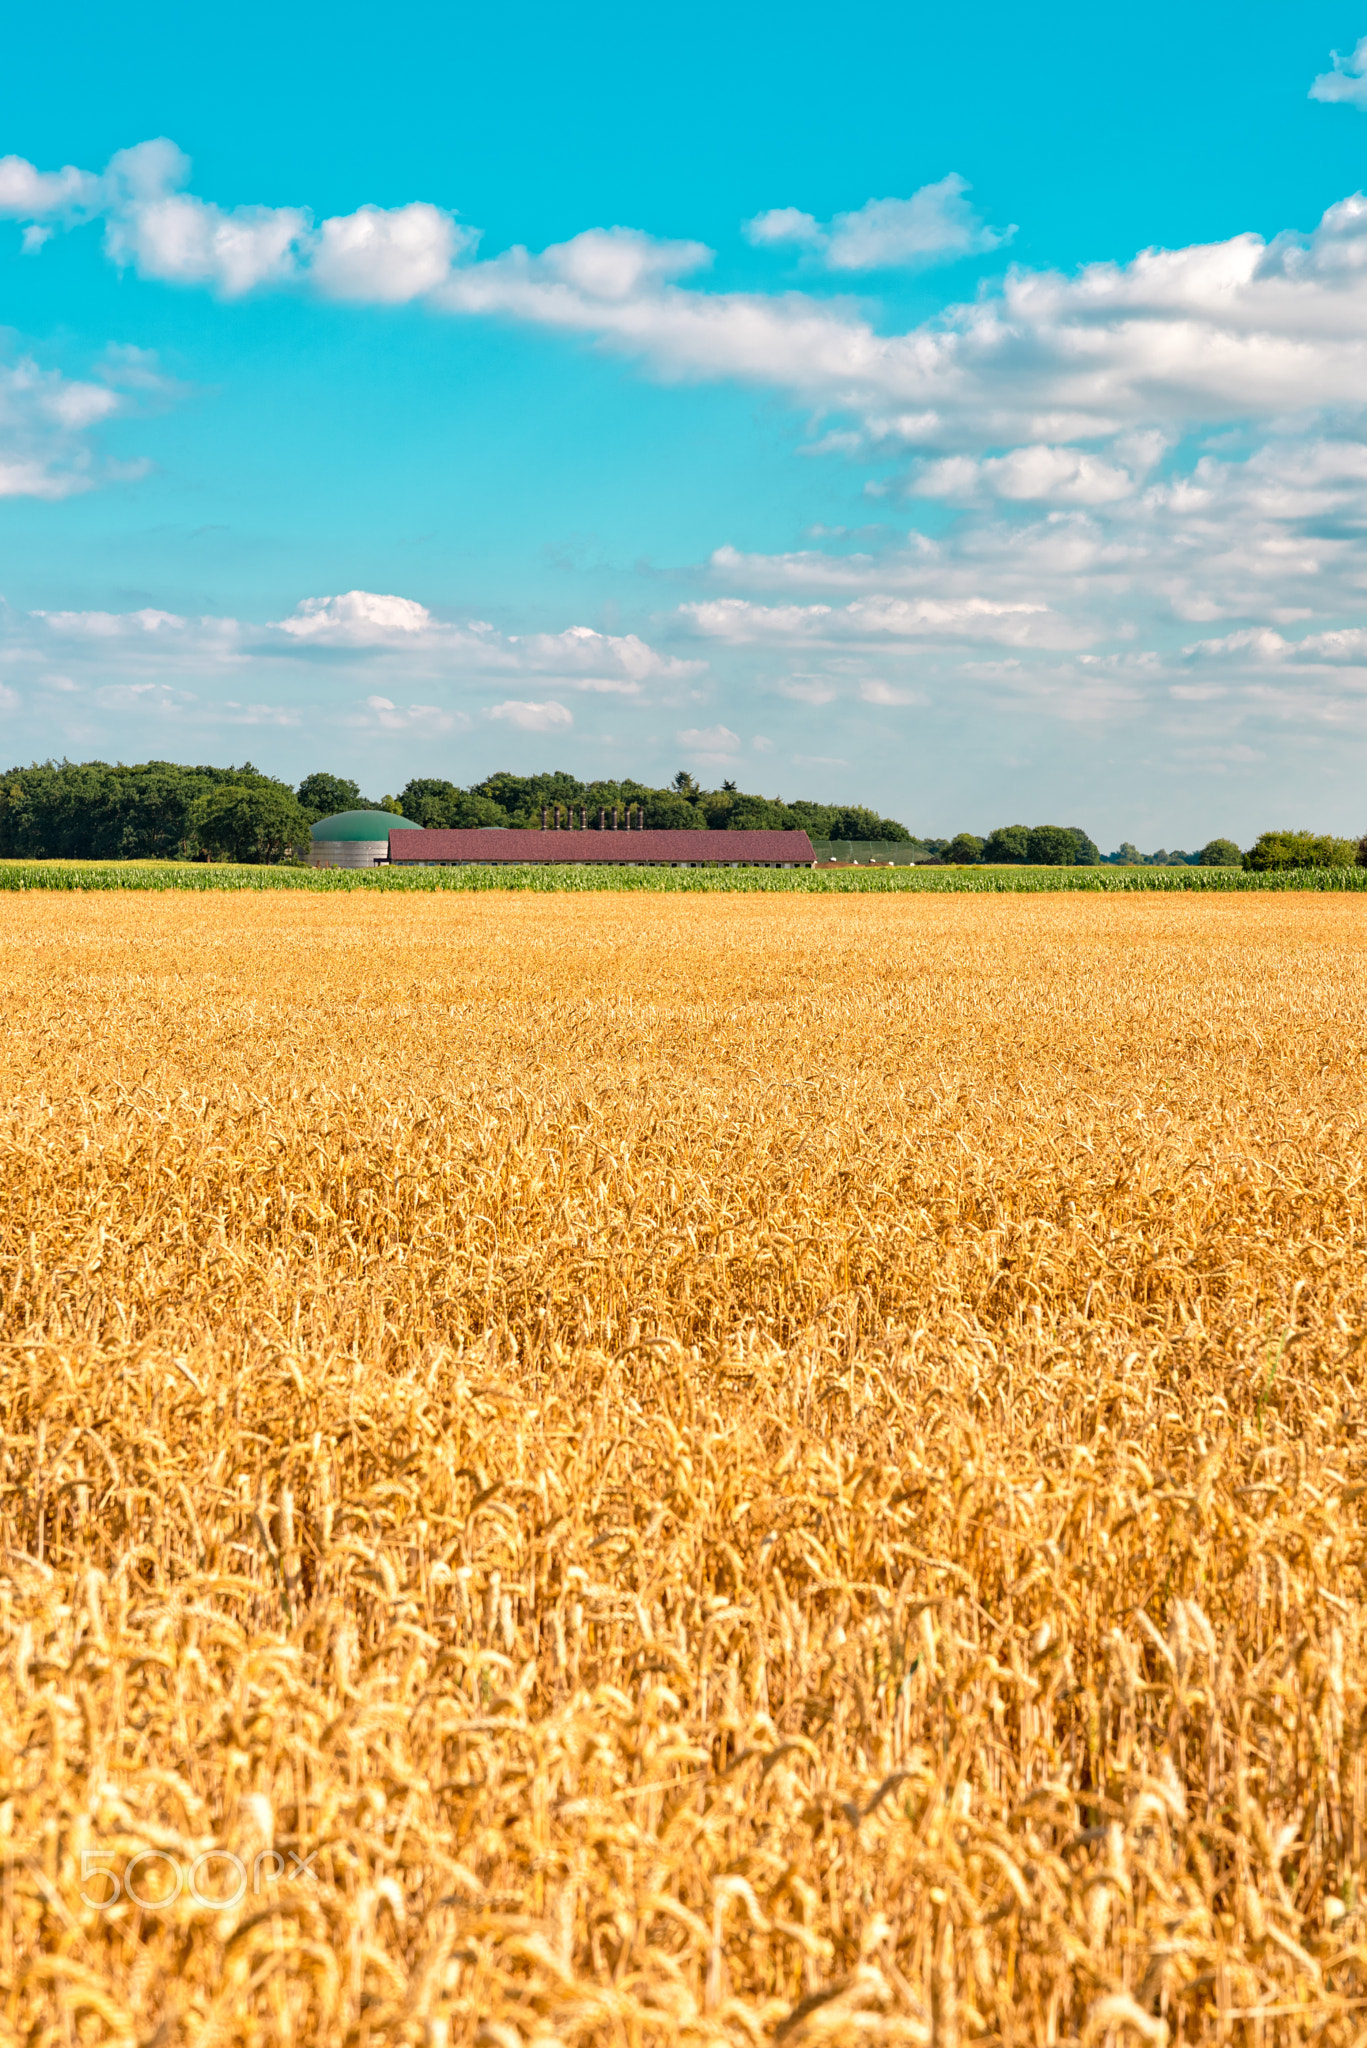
481, 843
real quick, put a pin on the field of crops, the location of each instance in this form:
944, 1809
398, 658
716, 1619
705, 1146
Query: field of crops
159, 877
600, 1469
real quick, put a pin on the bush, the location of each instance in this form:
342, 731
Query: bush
1219, 853
1299, 850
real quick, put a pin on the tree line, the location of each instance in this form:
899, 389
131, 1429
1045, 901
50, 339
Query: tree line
161, 810
1068, 846
520, 800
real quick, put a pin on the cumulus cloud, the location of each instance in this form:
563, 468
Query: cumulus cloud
713, 741
533, 717
1135, 450
780, 226
46, 420
142, 697
876, 691
33, 195
172, 236
1347, 82
1271, 536
382, 714
387, 258
395, 640
1057, 476
936, 225
364, 621
1266, 539
357, 618
808, 689
377, 255
1345, 647
741, 622
1177, 338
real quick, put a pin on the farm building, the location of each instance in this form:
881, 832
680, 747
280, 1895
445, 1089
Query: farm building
488, 845
354, 839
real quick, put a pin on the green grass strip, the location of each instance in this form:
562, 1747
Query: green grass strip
556, 880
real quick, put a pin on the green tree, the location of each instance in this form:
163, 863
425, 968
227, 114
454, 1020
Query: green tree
965, 849
1086, 853
1299, 850
758, 814
326, 795
522, 798
430, 801
1009, 843
668, 812
1219, 853
855, 822
1051, 846
254, 822
92, 810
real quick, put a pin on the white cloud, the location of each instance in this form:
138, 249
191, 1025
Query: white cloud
740, 622
712, 740
33, 195
1347, 82
396, 635
376, 255
1057, 476
1238, 330
357, 618
387, 258
781, 225
1270, 537
533, 717
1345, 647
142, 637
45, 419
142, 697
936, 225
167, 234
1054, 410
580, 657
877, 692
807, 689
384, 715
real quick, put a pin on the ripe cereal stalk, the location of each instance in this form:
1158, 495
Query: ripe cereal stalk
718, 1469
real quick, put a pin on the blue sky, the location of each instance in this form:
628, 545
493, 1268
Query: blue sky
961, 412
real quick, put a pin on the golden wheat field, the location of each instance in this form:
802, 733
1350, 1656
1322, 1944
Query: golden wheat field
682, 1470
